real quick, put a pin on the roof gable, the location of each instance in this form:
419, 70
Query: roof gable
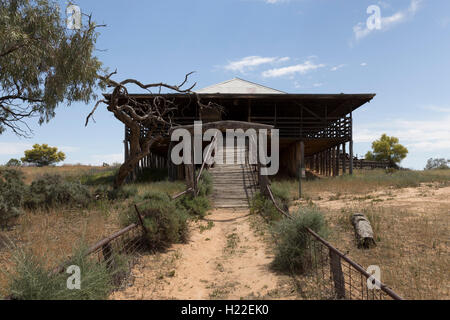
238, 86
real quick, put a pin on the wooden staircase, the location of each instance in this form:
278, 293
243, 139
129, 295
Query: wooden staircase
234, 185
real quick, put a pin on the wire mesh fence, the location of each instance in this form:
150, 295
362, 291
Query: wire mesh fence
336, 276
109, 262
120, 252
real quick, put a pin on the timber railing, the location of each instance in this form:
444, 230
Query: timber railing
119, 252
205, 163
335, 275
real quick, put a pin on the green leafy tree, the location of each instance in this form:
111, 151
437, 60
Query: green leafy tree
13, 163
387, 148
43, 155
42, 62
438, 163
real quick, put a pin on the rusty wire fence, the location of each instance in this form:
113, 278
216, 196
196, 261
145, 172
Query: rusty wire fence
117, 254
331, 274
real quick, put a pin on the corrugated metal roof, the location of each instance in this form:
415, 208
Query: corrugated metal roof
239, 86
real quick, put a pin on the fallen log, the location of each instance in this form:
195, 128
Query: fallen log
363, 231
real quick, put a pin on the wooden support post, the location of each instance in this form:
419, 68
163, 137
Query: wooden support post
351, 145
337, 159
301, 171
108, 256
329, 162
344, 162
338, 276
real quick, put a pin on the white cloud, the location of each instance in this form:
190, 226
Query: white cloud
361, 31
363, 64
336, 68
290, 70
13, 148
251, 62
423, 136
317, 85
437, 109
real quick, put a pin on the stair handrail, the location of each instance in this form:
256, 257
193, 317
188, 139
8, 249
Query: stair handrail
207, 157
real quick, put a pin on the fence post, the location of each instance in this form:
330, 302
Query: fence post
141, 222
338, 276
107, 255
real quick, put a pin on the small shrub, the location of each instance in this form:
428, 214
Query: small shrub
106, 176
200, 204
52, 190
122, 193
31, 280
205, 184
264, 206
281, 193
197, 206
165, 221
12, 190
292, 253
13, 163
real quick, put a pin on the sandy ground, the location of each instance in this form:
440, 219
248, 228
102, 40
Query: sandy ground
424, 199
412, 230
227, 257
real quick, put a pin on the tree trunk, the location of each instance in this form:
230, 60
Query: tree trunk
363, 231
137, 153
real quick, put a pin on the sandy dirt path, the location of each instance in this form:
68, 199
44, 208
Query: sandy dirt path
226, 258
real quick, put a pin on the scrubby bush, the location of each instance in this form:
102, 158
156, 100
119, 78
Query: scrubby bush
199, 205
52, 190
98, 177
12, 191
13, 163
292, 252
122, 193
264, 206
281, 194
31, 280
205, 184
165, 221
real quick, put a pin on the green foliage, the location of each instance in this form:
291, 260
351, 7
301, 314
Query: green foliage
199, 205
387, 148
31, 280
264, 206
12, 191
122, 193
43, 63
43, 155
436, 164
105, 177
292, 252
52, 190
281, 193
205, 184
13, 163
165, 221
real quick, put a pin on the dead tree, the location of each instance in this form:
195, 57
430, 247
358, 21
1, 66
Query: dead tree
155, 115
363, 231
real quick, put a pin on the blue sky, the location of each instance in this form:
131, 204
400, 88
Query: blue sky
303, 46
